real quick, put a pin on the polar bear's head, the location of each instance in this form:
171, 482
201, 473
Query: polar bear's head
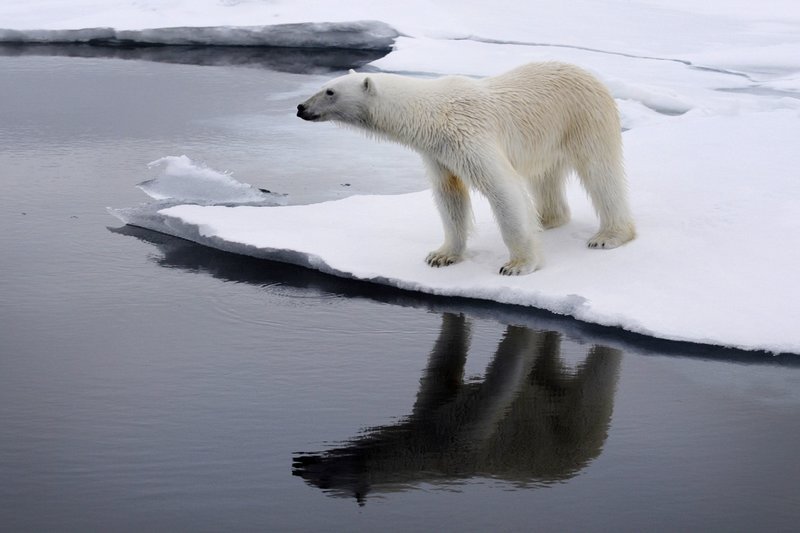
344, 99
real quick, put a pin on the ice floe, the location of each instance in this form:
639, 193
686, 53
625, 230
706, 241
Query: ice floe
715, 261
357, 35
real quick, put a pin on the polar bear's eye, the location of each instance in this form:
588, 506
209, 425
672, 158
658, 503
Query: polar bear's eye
329, 92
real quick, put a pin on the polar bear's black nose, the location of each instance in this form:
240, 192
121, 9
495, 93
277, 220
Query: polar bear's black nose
305, 114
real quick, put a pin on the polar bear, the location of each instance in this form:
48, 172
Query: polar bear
514, 138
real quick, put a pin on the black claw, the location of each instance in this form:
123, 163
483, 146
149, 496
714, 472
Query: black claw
438, 263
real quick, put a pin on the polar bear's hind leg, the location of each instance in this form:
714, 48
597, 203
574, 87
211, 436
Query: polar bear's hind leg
550, 197
605, 183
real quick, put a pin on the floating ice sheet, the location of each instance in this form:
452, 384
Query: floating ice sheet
715, 261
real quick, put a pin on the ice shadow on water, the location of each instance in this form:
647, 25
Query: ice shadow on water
192, 257
282, 59
530, 421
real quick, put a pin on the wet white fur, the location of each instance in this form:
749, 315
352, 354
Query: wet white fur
513, 137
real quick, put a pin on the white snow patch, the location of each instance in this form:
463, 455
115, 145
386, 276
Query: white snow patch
764, 60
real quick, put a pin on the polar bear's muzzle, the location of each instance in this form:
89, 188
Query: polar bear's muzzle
305, 114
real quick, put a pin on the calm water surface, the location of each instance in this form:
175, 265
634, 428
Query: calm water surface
147, 383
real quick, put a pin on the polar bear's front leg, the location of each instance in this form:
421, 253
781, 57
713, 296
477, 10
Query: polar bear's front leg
452, 199
514, 211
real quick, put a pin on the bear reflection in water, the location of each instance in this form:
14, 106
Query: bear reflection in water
532, 420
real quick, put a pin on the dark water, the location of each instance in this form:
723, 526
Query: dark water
147, 383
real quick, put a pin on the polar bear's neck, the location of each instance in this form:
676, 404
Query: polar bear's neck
404, 108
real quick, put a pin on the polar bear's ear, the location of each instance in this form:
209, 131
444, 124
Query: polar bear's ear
352, 71
368, 85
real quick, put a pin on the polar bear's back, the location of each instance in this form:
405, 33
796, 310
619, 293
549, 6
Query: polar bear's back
553, 106
551, 82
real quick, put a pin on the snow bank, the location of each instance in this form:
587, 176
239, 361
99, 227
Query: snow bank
715, 261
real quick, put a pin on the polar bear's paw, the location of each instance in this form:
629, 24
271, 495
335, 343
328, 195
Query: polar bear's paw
441, 258
611, 238
519, 267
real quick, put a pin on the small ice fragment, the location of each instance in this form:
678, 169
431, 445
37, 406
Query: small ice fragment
183, 180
